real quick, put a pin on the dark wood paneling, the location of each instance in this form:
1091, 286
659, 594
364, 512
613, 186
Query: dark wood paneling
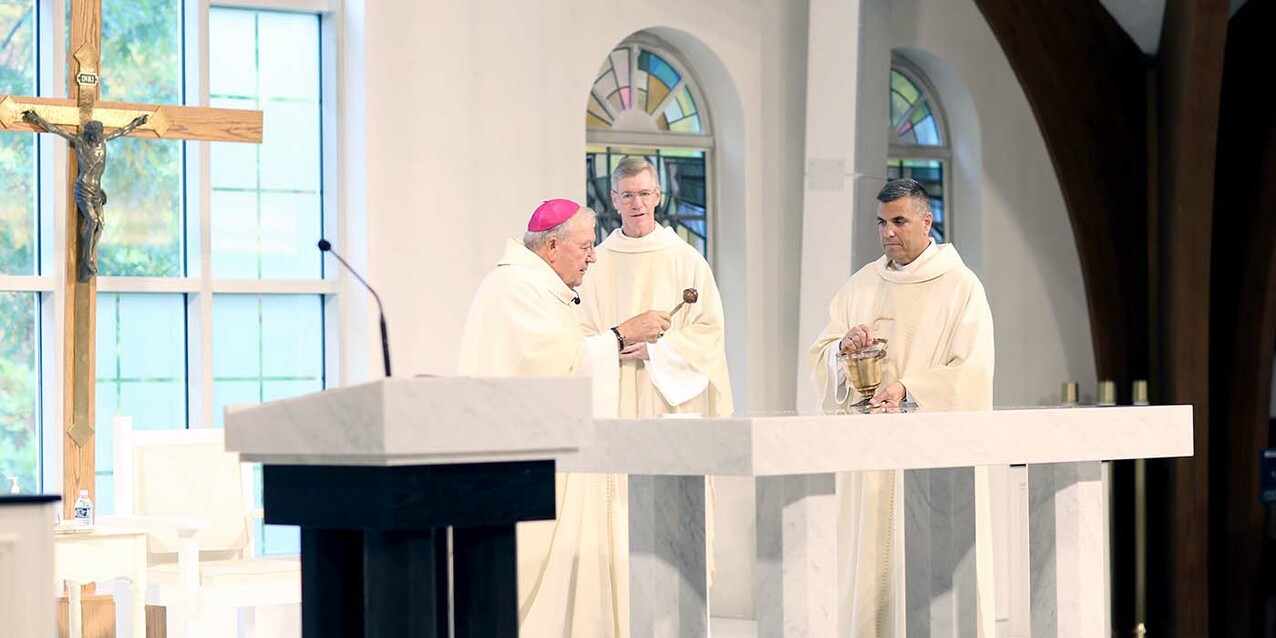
373, 550
1189, 68
410, 497
1090, 89
486, 584
400, 594
1086, 83
1133, 143
331, 578
1243, 316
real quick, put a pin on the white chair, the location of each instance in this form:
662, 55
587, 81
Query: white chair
195, 501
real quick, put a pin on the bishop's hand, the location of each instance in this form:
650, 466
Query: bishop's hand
646, 327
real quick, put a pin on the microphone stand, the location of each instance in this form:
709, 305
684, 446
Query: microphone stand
326, 246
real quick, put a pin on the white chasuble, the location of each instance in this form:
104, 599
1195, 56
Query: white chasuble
687, 368
573, 578
939, 329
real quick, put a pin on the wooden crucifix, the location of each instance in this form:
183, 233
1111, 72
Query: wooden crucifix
93, 123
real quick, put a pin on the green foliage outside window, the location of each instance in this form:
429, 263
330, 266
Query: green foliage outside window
141, 62
19, 446
19, 441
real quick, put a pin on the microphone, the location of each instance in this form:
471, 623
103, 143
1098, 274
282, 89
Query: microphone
577, 299
326, 246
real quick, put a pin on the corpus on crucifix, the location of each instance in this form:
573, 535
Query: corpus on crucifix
90, 199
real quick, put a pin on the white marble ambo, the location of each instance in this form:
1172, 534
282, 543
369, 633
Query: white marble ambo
418, 421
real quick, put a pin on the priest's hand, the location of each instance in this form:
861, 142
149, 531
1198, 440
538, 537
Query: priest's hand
889, 397
644, 328
636, 351
856, 338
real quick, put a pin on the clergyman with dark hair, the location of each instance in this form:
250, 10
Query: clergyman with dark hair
931, 309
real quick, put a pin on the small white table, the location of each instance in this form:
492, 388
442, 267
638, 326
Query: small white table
102, 554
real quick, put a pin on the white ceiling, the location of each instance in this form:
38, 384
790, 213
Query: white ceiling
1142, 19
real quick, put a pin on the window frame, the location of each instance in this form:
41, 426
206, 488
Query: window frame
195, 283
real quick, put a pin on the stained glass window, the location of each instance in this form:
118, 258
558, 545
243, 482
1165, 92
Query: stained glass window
644, 102
913, 121
641, 89
918, 141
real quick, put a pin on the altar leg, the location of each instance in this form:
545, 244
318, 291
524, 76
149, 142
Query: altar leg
331, 577
485, 581
393, 561
795, 581
1065, 549
939, 553
399, 584
668, 588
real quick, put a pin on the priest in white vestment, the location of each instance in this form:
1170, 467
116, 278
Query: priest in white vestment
645, 265
571, 571
933, 313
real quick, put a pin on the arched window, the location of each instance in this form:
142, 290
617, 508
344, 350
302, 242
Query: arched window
645, 102
919, 144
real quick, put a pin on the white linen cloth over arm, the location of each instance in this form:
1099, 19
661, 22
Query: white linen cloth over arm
687, 369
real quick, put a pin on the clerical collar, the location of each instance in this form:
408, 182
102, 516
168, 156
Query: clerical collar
930, 250
659, 239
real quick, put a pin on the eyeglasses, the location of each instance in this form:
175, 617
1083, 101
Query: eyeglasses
628, 197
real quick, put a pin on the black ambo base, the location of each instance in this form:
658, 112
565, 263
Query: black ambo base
374, 544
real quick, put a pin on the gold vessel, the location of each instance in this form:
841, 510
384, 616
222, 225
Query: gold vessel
863, 369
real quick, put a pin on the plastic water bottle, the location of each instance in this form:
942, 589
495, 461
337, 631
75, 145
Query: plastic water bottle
83, 509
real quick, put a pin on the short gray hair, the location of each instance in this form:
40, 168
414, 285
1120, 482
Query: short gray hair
631, 166
533, 240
